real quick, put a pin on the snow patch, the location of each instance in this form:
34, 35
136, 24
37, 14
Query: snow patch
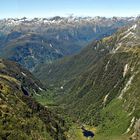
51, 46
126, 86
36, 93
57, 51
128, 34
23, 74
132, 122
102, 50
95, 29
132, 111
117, 48
54, 48
106, 67
57, 37
50, 71
133, 27
125, 70
33, 56
105, 99
39, 87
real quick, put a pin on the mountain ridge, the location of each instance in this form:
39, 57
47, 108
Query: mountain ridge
105, 93
30, 42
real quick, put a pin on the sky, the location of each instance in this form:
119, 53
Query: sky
50, 8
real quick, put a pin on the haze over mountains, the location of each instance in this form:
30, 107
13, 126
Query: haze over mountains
89, 78
41, 40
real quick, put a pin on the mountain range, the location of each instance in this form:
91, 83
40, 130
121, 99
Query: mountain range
41, 40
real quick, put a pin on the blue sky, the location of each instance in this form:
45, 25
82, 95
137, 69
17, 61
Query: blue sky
49, 8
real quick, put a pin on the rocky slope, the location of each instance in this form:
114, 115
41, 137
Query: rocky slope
40, 40
100, 85
21, 117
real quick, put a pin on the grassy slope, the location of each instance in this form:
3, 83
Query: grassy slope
17, 119
21, 117
92, 94
67, 68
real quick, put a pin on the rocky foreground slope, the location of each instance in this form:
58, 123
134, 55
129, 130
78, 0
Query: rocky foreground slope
21, 117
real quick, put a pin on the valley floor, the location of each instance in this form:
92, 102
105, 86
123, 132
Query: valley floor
76, 133
75, 128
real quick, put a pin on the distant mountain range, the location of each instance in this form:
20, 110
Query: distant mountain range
41, 40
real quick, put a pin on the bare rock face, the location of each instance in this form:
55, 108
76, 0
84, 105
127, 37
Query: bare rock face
136, 134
